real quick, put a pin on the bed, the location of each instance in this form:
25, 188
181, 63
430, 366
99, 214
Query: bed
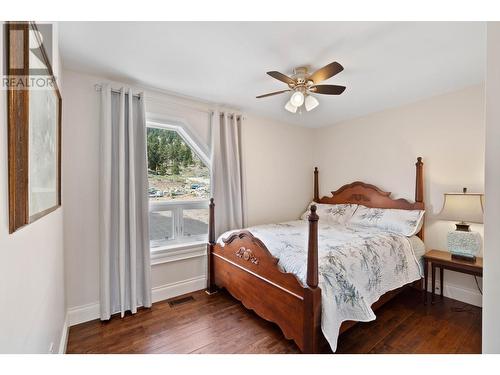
283, 271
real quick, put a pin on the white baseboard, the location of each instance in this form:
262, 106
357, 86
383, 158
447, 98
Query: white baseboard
470, 296
85, 313
63, 342
167, 291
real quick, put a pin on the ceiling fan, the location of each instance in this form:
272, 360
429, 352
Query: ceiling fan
303, 84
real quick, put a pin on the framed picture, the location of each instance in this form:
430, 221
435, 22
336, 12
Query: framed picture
34, 126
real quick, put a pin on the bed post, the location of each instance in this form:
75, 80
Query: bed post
419, 189
211, 242
312, 295
316, 185
312, 249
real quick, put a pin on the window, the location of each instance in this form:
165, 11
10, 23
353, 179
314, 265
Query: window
179, 189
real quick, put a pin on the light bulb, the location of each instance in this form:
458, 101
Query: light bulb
290, 107
311, 103
297, 99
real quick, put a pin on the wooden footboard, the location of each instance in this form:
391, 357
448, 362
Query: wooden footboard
246, 268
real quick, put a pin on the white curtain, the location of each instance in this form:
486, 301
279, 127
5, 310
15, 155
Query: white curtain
125, 268
227, 189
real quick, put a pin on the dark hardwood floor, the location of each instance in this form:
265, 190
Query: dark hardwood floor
220, 324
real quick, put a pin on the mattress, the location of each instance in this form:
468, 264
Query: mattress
418, 248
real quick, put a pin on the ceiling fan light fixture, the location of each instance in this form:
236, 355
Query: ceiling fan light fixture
311, 102
297, 99
302, 84
290, 107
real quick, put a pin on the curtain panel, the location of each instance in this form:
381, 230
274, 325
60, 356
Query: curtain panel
226, 159
125, 268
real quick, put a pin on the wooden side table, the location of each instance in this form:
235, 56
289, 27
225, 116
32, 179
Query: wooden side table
443, 261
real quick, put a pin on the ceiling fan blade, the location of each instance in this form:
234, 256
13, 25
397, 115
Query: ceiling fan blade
328, 89
326, 72
281, 77
272, 93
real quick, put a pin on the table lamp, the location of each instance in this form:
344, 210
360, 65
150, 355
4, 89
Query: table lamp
466, 208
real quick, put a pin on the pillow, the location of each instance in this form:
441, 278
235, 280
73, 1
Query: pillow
405, 222
332, 213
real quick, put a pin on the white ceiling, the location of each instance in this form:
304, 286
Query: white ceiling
387, 64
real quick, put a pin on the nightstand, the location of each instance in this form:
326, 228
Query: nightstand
443, 261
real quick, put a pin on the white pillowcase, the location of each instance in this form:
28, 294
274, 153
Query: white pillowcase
332, 213
405, 222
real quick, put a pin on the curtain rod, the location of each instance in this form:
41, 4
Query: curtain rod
98, 87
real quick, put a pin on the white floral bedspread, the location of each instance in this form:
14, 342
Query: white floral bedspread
357, 265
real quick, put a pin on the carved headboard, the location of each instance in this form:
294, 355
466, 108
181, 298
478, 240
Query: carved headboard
371, 196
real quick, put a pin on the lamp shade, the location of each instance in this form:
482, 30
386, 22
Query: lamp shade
465, 207
297, 99
290, 107
311, 103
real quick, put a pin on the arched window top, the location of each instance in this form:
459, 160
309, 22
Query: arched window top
200, 148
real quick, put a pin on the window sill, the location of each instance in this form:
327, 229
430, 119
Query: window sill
178, 252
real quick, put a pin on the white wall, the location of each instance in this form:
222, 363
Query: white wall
491, 307
32, 309
80, 189
447, 131
277, 169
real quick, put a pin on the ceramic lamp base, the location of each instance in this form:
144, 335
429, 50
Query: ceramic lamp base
464, 245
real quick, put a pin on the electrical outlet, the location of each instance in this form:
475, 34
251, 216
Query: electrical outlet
51, 348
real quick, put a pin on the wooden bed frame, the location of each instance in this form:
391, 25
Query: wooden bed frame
246, 268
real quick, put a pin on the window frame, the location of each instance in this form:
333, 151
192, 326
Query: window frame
179, 243
177, 208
